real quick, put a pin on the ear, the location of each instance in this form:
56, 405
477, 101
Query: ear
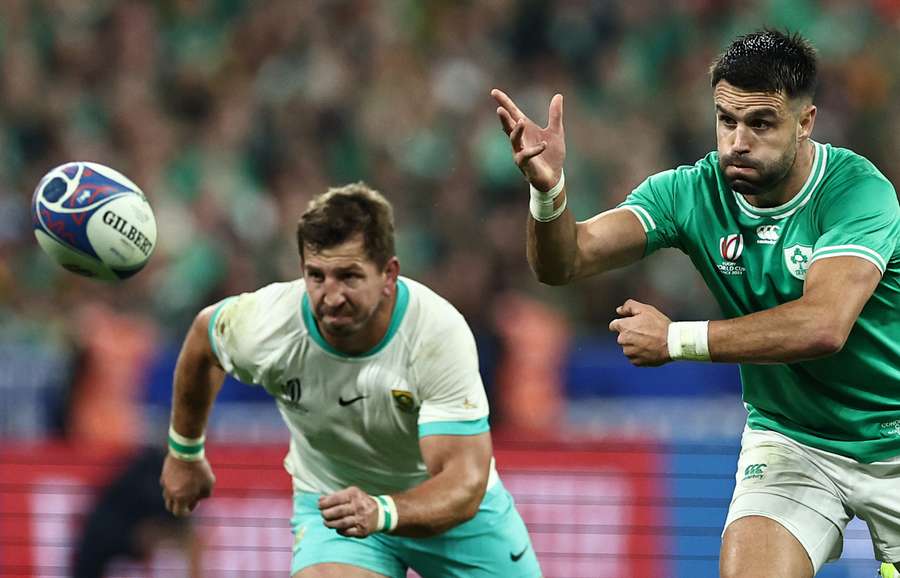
807, 122
391, 273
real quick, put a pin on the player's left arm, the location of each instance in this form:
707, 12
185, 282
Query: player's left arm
815, 325
459, 466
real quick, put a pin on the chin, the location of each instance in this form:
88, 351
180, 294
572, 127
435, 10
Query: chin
743, 187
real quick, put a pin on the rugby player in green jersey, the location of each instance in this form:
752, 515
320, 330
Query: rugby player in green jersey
798, 242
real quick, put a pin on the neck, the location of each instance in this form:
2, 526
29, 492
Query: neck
790, 185
370, 335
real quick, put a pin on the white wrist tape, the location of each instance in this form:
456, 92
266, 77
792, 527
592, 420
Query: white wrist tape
185, 448
387, 513
689, 340
541, 204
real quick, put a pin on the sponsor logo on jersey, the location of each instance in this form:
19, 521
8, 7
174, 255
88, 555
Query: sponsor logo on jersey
755, 471
730, 248
890, 428
767, 234
796, 258
404, 400
290, 394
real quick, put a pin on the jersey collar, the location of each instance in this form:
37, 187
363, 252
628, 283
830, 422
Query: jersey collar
801, 198
396, 317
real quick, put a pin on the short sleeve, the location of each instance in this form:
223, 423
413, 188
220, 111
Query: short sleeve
652, 202
232, 337
862, 221
453, 401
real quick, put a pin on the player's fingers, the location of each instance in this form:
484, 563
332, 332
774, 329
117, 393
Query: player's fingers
337, 512
523, 156
334, 499
507, 103
505, 120
556, 113
614, 325
515, 135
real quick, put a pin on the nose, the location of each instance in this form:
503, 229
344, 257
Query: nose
741, 144
334, 296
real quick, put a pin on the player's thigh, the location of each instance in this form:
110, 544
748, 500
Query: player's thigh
330, 570
494, 544
759, 547
781, 491
877, 502
320, 552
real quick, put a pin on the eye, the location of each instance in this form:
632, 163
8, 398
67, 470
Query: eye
315, 276
760, 124
726, 120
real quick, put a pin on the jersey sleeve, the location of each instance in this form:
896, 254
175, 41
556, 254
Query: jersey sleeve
653, 203
453, 401
233, 337
862, 221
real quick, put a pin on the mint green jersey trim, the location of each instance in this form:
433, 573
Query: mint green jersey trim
396, 318
820, 159
850, 251
212, 324
454, 428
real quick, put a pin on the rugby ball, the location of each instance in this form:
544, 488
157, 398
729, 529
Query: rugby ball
93, 220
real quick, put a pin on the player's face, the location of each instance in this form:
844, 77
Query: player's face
756, 133
345, 287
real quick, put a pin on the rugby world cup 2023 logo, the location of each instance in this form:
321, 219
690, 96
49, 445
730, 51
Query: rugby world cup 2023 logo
730, 249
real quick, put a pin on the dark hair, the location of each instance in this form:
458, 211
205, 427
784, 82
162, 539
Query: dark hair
342, 212
769, 61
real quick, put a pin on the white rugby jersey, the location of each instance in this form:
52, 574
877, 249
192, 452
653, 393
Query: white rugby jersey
356, 420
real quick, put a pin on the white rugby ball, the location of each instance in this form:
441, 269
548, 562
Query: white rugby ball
93, 220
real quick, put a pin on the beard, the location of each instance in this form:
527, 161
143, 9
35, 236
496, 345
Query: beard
352, 320
766, 177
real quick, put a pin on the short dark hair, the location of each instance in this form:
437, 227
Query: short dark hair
342, 212
769, 61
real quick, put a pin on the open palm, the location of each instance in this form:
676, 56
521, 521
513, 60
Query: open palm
538, 152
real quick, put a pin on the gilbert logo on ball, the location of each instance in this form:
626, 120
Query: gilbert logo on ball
93, 221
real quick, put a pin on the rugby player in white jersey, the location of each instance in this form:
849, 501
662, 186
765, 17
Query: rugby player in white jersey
376, 377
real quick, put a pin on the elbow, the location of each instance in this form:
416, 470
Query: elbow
826, 341
475, 490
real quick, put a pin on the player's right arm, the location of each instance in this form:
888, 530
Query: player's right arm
561, 250
198, 378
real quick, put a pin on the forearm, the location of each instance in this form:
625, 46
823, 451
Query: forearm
791, 332
438, 504
552, 247
197, 381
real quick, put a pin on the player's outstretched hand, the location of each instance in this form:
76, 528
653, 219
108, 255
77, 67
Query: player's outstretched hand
538, 152
643, 333
185, 484
352, 512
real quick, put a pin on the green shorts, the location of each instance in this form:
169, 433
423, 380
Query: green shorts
494, 543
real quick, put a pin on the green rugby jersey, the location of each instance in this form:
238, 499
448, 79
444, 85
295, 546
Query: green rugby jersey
756, 258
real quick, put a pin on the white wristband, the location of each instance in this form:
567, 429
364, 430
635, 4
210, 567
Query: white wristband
689, 340
185, 448
541, 204
387, 513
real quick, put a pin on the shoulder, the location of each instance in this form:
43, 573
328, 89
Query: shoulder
433, 322
850, 177
261, 312
685, 179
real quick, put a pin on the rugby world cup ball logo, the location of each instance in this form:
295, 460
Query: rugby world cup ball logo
731, 247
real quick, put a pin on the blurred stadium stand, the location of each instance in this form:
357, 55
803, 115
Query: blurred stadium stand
231, 114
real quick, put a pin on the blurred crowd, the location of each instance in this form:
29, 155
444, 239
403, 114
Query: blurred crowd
231, 114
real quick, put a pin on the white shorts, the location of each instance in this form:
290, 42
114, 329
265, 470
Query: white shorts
814, 494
